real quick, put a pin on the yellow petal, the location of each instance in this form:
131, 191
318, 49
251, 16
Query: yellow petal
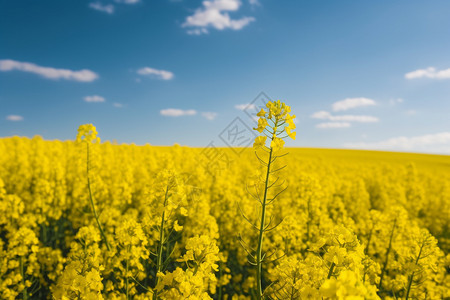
261, 113
259, 141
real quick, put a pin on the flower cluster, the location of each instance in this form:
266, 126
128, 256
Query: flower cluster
81, 277
87, 133
198, 278
273, 123
351, 226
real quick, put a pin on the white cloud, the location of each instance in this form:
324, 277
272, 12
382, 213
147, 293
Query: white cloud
160, 74
47, 72
174, 112
245, 106
254, 2
214, 14
333, 125
14, 118
396, 101
118, 105
321, 115
128, 1
209, 115
106, 8
94, 98
350, 103
433, 143
324, 115
430, 72
198, 31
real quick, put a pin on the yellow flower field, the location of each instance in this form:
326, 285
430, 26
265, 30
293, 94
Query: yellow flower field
94, 220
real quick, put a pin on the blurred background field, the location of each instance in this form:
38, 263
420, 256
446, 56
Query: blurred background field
363, 197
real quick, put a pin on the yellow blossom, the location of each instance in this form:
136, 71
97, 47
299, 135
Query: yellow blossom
87, 133
277, 144
260, 141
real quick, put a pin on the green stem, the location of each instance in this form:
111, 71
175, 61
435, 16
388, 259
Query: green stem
330, 272
220, 277
92, 202
412, 275
126, 279
161, 242
387, 255
410, 279
308, 223
259, 291
22, 273
369, 240
293, 292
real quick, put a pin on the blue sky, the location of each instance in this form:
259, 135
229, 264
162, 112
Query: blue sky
358, 74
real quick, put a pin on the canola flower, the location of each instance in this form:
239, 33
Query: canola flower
273, 123
372, 226
171, 193
87, 134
